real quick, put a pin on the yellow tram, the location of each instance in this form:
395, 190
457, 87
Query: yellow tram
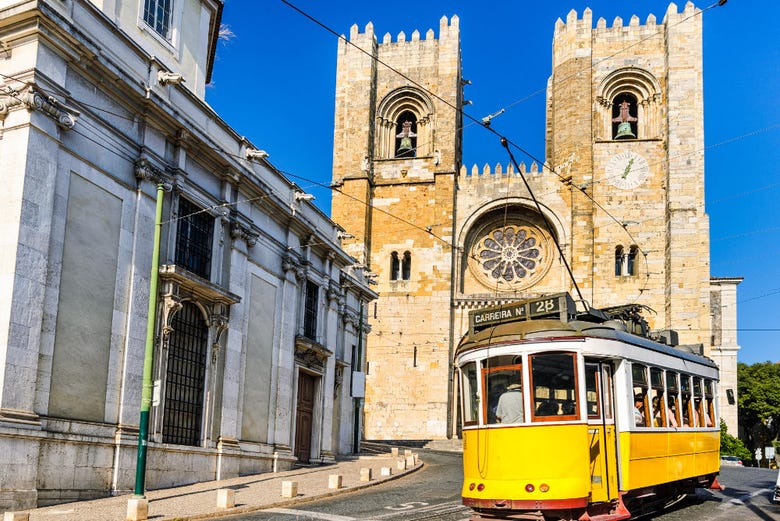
569, 416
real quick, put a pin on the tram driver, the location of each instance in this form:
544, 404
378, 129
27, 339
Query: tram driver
510, 405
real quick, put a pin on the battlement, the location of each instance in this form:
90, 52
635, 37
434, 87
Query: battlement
487, 173
574, 23
447, 28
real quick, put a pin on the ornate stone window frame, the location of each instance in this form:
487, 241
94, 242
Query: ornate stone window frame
641, 85
179, 285
391, 108
626, 260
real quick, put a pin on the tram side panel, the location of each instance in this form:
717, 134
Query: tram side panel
653, 458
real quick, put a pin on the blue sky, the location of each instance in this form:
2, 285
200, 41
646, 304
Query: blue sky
274, 83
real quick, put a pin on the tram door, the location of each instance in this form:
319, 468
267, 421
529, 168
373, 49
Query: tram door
601, 431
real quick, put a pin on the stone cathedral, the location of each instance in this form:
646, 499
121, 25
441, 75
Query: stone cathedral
621, 190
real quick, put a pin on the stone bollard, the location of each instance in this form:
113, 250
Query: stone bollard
137, 509
289, 488
394, 452
409, 461
401, 464
365, 474
407, 452
16, 516
226, 498
334, 481
386, 471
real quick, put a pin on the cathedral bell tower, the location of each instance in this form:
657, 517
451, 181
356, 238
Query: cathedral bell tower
625, 112
397, 152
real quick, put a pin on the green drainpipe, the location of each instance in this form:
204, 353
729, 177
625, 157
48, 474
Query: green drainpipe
146, 393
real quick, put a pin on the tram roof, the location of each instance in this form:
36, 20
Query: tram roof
550, 330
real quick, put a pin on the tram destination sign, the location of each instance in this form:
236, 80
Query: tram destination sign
555, 306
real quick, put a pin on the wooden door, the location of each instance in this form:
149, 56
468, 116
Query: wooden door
304, 415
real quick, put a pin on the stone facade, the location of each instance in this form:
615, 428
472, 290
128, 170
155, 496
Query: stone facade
628, 214
411, 209
259, 311
724, 346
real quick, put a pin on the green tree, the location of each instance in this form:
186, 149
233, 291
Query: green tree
759, 403
731, 445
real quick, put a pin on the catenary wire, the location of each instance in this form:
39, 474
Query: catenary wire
406, 222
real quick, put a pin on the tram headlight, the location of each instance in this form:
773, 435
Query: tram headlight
529, 488
471, 487
480, 487
544, 487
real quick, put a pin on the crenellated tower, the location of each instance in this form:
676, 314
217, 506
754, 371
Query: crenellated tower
625, 113
397, 147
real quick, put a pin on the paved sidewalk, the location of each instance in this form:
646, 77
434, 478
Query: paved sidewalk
252, 493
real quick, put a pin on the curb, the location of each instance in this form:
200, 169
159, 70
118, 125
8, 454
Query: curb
248, 509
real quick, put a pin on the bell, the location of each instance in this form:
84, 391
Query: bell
406, 144
624, 131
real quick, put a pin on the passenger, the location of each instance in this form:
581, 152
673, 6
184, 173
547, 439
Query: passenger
568, 407
510, 405
703, 415
639, 415
658, 419
698, 413
686, 415
495, 393
547, 408
672, 413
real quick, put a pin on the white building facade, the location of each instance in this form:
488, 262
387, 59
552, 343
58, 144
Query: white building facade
259, 319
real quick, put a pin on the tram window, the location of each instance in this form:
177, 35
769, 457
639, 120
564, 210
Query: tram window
598, 380
607, 401
592, 390
672, 396
470, 393
504, 392
709, 404
554, 384
639, 381
686, 406
702, 418
657, 401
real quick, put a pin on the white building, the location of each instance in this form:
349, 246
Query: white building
259, 324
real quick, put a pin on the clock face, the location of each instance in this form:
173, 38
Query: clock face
627, 170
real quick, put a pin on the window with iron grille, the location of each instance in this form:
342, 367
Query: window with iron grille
157, 13
310, 312
185, 377
194, 234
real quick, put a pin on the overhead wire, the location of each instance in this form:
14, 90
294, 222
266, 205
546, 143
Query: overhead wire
473, 120
501, 137
506, 143
505, 140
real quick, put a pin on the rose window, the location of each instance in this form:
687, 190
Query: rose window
510, 256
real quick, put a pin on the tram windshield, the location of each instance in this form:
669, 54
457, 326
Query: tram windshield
554, 384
